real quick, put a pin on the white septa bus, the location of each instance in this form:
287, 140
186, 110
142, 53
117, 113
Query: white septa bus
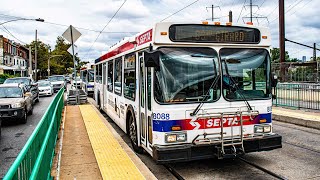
87, 77
190, 91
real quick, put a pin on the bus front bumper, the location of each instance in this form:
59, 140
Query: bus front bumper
189, 152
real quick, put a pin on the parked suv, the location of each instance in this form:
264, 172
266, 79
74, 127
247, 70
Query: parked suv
30, 85
15, 102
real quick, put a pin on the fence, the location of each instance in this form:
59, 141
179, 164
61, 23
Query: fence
35, 159
297, 71
298, 95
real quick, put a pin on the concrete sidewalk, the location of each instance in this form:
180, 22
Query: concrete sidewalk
298, 117
91, 149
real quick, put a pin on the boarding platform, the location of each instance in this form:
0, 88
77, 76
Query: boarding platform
91, 149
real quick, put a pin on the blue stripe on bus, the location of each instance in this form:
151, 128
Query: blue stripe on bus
165, 125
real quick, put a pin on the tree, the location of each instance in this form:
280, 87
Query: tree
42, 56
62, 64
275, 55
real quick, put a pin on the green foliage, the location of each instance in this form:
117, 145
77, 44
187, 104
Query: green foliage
60, 59
3, 77
275, 55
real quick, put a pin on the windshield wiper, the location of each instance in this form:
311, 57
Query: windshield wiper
237, 87
196, 110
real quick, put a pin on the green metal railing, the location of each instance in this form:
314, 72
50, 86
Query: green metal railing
298, 95
35, 159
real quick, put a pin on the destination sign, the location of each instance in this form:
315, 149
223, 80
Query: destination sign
213, 34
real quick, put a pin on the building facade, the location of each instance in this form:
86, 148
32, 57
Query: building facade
13, 57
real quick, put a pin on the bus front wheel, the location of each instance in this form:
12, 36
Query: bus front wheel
133, 135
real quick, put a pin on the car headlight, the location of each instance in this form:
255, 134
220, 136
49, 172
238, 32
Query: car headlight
16, 105
262, 128
175, 137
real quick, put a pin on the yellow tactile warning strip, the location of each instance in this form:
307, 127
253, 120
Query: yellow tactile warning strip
113, 161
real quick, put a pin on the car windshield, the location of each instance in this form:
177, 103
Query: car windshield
187, 75
10, 92
56, 78
25, 81
43, 84
91, 76
246, 73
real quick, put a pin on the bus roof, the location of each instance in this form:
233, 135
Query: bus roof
161, 34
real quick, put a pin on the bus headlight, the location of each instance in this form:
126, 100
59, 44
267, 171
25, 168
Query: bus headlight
267, 129
262, 128
175, 137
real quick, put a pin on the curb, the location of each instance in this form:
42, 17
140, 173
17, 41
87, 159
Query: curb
297, 121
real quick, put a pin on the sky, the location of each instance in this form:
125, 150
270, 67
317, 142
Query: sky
90, 17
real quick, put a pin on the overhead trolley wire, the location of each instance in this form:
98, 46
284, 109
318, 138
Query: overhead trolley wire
105, 26
241, 10
180, 10
8, 32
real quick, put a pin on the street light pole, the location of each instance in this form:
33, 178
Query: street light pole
21, 19
51, 56
35, 58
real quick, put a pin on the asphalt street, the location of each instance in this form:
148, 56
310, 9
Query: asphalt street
15, 135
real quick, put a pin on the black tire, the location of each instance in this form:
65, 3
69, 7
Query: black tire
37, 100
31, 110
133, 135
24, 119
99, 102
0, 128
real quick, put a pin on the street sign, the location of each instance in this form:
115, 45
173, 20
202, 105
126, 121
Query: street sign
75, 49
75, 34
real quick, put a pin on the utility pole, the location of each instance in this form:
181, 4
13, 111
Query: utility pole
212, 12
230, 16
250, 10
314, 52
30, 62
49, 63
35, 57
282, 38
252, 16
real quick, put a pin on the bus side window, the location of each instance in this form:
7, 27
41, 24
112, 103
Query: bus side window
110, 76
118, 76
130, 76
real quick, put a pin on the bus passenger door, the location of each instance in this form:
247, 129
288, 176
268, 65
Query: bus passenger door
142, 101
103, 92
145, 104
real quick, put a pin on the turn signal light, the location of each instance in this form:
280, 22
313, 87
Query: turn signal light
176, 128
205, 22
229, 23
264, 37
163, 33
262, 120
249, 23
217, 23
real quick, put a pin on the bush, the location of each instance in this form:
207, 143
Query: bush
3, 77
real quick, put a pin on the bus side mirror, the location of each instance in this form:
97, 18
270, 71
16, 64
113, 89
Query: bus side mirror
151, 58
274, 80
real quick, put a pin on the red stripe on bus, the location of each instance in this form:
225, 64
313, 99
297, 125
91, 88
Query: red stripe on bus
141, 39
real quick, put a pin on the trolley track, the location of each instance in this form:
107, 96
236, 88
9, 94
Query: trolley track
297, 128
173, 172
302, 147
262, 169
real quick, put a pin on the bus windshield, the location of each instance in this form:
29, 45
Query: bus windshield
91, 75
246, 73
187, 75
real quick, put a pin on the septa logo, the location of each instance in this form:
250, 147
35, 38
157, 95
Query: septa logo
144, 38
